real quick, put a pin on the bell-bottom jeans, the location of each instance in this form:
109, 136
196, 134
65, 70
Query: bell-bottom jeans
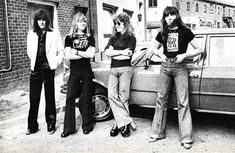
119, 93
178, 72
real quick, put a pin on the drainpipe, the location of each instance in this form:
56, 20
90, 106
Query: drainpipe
8, 47
89, 8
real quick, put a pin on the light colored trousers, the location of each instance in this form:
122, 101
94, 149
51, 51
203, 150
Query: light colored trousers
178, 72
119, 93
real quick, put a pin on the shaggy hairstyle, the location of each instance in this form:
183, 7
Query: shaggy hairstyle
177, 22
125, 18
40, 14
78, 17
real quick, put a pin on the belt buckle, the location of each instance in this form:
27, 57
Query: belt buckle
171, 60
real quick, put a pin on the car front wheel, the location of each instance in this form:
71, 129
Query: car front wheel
102, 106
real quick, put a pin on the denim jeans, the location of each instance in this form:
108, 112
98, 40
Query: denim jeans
119, 93
178, 72
37, 78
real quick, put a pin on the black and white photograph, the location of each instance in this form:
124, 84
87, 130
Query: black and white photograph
117, 76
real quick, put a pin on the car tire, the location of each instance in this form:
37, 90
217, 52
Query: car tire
101, 104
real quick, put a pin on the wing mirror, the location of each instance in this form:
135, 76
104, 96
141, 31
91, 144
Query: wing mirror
146, 65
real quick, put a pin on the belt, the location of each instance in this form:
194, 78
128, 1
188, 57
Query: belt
171, 60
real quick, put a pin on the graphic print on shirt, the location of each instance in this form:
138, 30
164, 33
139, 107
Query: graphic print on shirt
80, 42
172, 42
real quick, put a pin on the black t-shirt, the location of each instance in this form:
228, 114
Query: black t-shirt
81, 43
177, 42
121, 42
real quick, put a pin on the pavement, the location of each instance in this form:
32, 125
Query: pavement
14, 105
213, 133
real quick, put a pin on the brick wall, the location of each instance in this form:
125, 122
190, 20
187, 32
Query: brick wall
65, 15
18, 28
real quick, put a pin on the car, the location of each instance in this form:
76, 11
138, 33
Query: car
211, 77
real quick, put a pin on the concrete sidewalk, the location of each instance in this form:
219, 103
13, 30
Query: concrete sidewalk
19, 104
212, 134
23, 118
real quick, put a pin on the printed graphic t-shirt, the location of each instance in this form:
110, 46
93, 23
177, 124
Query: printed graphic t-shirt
177, 42
80, 43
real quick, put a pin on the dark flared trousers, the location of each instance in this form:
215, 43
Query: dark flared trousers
37, 78
80, 86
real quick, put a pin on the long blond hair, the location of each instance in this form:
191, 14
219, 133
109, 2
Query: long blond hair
77, 18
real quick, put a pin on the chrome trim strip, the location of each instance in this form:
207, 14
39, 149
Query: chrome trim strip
217, 94
99, 82
136, 90
198, 110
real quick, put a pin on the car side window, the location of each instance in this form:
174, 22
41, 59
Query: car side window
221, 51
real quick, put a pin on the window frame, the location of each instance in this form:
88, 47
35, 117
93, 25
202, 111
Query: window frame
50, 4
197, 7
211, 10
112, 10
152, 3
205, 8
129, 12
188, 6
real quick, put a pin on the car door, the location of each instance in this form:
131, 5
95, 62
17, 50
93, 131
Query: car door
194, 66
145, 82
218, 76
144, 85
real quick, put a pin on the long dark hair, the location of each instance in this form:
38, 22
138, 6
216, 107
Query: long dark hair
125, 18
178, 21
40, 14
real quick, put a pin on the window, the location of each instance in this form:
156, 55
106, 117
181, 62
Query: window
130, 13
33, 7
152, 3
112, 9
218, 10
107, 21
197, 8
218, 24
205, 9
177, 4
221, 51
228, 12
211, 9
188, 6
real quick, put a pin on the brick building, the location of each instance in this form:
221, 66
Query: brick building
197, 14
16, 17
204, 14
